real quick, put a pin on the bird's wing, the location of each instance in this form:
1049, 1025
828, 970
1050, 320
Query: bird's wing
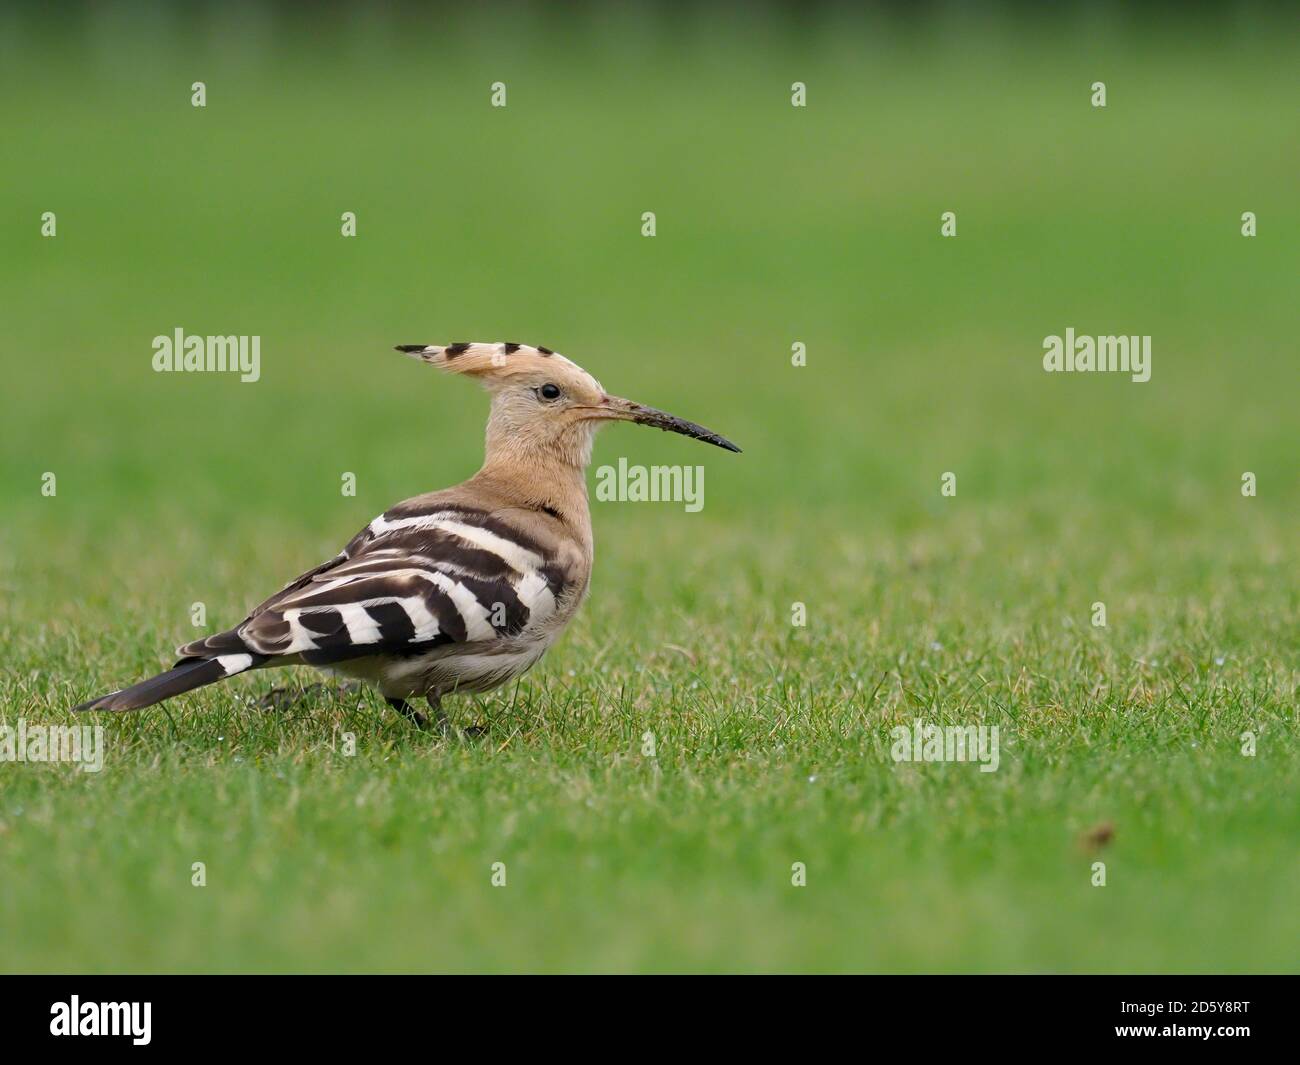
412, 580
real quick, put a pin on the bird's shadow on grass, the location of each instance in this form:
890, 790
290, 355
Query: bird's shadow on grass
300, 715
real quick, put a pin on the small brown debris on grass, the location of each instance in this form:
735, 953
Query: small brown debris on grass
1097, 837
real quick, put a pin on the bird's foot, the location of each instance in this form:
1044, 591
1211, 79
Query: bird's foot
440, 719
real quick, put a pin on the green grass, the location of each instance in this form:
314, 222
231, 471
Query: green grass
772, 741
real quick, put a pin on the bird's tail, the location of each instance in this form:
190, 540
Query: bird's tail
186, 675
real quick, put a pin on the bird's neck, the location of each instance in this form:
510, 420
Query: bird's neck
544, 480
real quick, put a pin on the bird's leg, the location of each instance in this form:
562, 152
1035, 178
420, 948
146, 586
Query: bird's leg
434, 699
469, 732
408, 711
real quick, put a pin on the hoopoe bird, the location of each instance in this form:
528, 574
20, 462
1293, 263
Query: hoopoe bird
454, 591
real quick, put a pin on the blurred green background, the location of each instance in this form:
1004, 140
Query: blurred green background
775, 225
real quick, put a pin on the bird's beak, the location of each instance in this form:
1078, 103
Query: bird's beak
614, 408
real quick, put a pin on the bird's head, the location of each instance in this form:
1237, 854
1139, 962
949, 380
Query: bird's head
543, 402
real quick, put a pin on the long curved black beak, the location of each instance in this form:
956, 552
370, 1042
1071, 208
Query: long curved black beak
616, 408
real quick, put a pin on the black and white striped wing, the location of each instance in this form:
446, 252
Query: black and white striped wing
407, 584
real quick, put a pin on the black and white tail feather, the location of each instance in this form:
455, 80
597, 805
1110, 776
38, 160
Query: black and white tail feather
186, 675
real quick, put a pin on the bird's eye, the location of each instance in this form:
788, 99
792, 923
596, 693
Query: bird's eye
549, 391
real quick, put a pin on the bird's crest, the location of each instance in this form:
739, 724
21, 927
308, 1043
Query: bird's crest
504, 359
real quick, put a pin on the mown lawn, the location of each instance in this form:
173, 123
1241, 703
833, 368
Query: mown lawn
771, 741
